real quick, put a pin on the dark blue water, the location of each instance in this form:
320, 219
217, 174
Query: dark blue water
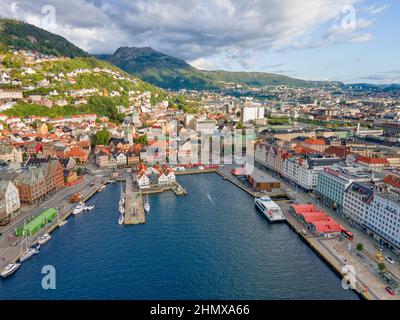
211, 244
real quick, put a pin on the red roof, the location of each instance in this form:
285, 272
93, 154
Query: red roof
315, 141
338, 151
311, 217
392, 180
301, 208
367, 160
327, 226
76, 152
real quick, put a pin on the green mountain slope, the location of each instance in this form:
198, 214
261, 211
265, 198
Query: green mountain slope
20, 35
172, 73
160, 69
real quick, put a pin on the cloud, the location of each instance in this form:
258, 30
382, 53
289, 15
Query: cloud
386, 77
196, 30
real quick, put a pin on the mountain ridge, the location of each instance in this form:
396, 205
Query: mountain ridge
173, 73
15, 34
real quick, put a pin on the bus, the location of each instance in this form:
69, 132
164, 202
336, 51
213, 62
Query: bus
347, 235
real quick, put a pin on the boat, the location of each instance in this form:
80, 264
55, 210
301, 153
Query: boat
62, 223
147, 205
79, 208
9, 269
44, 238
89, 208
27, 254
121, 209
121, 219
37, 249
101, 188
269, 209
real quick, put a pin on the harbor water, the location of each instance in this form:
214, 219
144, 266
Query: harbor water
210, 244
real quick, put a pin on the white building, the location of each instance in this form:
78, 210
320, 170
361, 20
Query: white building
121, 159
252, 113
10, 94
382, 219
162, 179
9, 200
143, 181
356, 198
375, 212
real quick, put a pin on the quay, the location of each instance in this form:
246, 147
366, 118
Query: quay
134, 211
317, 245
175, 187
228, 176
195, 171
54, 225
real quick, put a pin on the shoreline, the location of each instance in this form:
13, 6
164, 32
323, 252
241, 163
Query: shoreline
291, 225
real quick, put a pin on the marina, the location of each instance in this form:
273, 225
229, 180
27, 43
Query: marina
185, 249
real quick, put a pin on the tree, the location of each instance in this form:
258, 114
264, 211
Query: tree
381, 266
142, 140
360, 247
101, 137
79, 171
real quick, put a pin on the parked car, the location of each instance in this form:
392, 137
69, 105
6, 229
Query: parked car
389, 259
390, 291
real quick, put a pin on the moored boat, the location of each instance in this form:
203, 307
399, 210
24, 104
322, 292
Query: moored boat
121, 219
27, 254
269, 209
9, 270
44, 238
79, 208
62, 223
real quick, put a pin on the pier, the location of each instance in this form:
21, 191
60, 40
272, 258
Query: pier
336, 255
65, 212
175, 188
224, 172
134, 211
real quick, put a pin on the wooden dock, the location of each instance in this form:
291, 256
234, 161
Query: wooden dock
134, 211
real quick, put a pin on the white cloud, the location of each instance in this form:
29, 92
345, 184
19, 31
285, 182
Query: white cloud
192, 29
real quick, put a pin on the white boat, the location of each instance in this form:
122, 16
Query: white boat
9, 269
269, 209
147, 205
62, 223
37, 249
44, 238
101, 188
121, 209
121, 219
79, 208
27, 254
89, 208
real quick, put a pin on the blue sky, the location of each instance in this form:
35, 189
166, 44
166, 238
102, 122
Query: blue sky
346, 40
